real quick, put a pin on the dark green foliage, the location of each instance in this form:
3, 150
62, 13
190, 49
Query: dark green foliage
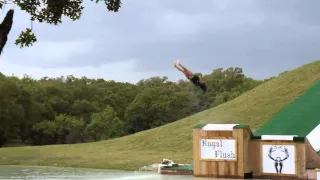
68, 110
26, 38
63, 130
104, 125
154, 107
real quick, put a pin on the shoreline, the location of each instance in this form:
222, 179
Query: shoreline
68, 167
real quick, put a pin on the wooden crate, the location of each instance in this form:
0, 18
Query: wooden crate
297, 168
234, 167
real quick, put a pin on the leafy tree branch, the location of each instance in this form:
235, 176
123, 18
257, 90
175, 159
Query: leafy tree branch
44, 11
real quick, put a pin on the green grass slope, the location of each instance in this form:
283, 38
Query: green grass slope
174, 140
302, 115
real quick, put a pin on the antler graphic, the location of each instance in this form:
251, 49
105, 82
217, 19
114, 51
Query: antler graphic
286, 152
270, 151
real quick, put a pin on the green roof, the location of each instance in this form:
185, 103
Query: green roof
187, 167
239, 126
199, 126
298, 118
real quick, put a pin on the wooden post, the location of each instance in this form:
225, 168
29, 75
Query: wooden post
317, 174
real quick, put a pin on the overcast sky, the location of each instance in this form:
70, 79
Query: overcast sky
264, 37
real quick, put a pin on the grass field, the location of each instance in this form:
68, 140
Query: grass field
173, 140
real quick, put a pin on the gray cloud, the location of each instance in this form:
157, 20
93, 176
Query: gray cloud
301, 12
263, 37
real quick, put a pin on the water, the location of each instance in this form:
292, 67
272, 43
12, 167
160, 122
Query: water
53, 173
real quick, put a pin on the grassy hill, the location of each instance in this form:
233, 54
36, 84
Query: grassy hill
173, 140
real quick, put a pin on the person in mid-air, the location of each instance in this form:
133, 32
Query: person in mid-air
195, 79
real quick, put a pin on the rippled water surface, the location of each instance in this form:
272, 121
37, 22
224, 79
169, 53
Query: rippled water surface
52, 173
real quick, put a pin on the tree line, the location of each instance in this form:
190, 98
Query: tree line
66, 110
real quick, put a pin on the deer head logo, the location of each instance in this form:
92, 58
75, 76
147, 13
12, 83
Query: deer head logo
278, 161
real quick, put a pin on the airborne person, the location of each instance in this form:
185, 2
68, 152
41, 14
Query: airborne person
195, 79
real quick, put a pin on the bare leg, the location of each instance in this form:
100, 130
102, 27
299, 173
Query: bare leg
186, 71
178, 67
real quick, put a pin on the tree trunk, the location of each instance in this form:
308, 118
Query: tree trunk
5, 28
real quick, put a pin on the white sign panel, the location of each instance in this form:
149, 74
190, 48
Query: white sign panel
218, 149
278, 159
318, 175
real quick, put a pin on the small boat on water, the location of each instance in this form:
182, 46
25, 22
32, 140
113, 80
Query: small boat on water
169, 167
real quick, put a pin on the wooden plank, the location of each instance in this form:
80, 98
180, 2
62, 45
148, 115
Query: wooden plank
214, 169
255, 157
203, 133
233, 169
209, 168
317, 174
210, 134
238, 133
246, 140
196, 151
225, 133
222, 169
204, 168
300, 163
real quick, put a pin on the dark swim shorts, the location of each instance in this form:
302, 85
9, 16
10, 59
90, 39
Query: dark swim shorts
195, 80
